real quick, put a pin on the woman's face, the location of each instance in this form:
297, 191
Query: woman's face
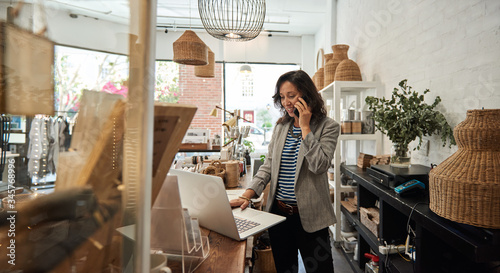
289, 96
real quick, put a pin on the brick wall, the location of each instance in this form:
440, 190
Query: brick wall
205, 93
451, 47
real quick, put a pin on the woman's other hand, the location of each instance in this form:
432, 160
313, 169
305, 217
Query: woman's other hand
244, 200
239, 202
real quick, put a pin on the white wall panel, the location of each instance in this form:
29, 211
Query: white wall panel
451, 47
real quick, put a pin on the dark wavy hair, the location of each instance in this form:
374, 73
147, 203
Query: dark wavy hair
306, 87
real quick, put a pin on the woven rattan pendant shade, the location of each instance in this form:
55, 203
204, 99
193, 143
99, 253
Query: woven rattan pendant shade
206, 71
465, 188
232, 20
190, 49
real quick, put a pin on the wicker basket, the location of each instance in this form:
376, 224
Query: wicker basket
328, 57
319, 75
347, 70
339, 54
206, 71
190, 49
216, 169
465, 188
320, 78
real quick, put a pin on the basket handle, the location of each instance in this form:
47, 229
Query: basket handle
322, 54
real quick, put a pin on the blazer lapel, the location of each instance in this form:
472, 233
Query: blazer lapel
302, 152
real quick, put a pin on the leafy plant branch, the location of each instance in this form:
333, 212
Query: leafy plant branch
405, 116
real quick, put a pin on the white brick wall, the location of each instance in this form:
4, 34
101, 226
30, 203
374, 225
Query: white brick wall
448, 46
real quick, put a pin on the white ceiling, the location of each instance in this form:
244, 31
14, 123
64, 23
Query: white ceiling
283, 17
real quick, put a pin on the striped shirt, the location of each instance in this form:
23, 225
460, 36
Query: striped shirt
286, 176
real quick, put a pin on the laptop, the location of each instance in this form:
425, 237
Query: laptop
205, 198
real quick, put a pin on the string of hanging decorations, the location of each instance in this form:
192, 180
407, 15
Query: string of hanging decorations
233, 20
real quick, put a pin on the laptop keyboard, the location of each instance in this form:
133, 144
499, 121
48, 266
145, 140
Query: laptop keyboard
244, 224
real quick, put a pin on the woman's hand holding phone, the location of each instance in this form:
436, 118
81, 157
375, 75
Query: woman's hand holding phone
304, 118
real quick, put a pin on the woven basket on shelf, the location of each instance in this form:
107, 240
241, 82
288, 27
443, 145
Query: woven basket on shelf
339, 54
206, 71
319, 75
348, 70
465, 188
320, 78
190, 49
328, 57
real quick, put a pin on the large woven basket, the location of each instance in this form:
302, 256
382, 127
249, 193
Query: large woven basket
347, 70
465, 188
206, 71
339, 54
190, 49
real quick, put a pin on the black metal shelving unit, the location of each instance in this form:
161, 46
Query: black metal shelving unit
441, 245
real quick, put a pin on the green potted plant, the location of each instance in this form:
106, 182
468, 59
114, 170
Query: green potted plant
404, 117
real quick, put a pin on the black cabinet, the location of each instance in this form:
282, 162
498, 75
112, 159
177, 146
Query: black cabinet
441, 245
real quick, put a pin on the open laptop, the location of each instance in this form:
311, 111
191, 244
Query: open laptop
206, 199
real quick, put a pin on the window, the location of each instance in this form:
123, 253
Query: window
252, 93
246, 84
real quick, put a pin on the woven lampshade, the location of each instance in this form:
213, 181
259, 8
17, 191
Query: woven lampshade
347, 70
465, 187
206, 71
190, 49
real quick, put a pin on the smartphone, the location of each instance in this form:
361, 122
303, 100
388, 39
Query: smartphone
295, 111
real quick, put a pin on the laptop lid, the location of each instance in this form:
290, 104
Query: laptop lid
206, 199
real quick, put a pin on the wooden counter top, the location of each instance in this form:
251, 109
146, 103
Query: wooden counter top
226, 254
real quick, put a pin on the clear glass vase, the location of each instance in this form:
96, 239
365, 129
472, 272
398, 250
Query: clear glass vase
400, 156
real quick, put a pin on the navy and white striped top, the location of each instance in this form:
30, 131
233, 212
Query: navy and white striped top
286, 176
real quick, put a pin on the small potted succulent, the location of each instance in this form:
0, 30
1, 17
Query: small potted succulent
404, 117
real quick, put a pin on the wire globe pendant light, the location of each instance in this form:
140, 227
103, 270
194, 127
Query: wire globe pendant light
232, 20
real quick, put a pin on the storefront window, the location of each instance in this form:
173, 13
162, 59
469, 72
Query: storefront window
251, 93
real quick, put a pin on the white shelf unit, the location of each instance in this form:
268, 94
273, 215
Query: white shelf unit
349, 145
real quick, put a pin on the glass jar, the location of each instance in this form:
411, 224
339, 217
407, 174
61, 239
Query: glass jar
400, 156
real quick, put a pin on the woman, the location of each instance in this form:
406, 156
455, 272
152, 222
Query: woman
299, 155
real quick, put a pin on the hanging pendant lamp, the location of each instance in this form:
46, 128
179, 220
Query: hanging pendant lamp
206, 71
190, 49
232, 20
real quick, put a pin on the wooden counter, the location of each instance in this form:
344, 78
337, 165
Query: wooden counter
226, 254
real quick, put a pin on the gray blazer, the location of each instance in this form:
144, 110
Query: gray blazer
311, 181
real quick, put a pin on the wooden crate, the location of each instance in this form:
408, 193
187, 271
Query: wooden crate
370, 218
364, 160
